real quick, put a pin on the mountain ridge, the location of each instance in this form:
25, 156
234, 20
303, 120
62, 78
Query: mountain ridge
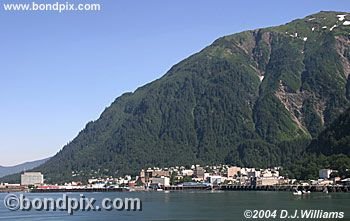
8, 170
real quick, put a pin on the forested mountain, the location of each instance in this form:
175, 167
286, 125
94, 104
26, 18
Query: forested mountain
255, 98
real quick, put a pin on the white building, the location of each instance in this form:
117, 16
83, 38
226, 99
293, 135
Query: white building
90, 181
269, 173
267, 181
252, 173
233, 171
8, 185
163, 181
214, 179
187, 172
325, 173
32, 178
98, 185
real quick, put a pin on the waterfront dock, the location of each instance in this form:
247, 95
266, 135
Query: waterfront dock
179, 188
285, 188
78, 190
13, 190
311, 188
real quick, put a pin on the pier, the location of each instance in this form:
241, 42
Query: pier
78, 190
312, 188
13, 190
179, 188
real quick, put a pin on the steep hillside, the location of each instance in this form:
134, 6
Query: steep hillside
335, 139
246, 99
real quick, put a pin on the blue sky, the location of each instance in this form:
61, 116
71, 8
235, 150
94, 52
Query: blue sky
59, 71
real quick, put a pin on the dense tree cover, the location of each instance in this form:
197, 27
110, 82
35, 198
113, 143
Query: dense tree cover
335, 139
213, 108
308, 165
331, 150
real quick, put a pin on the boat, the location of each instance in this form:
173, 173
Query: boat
325, 190
297, 192
305, 192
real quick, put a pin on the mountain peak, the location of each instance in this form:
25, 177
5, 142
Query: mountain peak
320, 23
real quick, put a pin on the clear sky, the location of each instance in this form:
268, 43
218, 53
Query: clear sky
59, 71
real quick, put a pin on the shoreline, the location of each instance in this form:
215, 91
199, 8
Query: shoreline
286, 188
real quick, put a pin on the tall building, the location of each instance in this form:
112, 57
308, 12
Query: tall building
325, 173
199, 172
32, 178
233, 171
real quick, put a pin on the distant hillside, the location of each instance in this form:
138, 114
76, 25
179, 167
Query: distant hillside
251, 99
4, 171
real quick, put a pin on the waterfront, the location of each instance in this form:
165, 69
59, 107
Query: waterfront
189, 205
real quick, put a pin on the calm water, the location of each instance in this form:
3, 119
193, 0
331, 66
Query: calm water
199, 205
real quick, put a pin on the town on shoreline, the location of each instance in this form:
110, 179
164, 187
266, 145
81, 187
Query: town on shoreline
219, 177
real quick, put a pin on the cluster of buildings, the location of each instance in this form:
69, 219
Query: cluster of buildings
213, 175
195, 175
325, 178
231, 175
